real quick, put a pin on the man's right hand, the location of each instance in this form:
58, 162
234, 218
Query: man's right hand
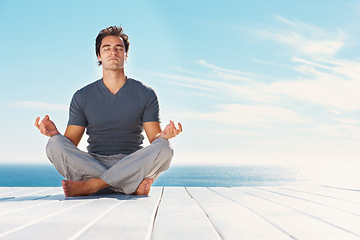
46, 126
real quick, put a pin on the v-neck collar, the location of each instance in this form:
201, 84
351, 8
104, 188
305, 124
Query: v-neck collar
121, 91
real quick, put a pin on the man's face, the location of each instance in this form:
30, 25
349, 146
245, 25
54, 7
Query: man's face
112, 53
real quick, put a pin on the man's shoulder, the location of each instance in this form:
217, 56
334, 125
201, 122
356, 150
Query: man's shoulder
140, 86
90, 87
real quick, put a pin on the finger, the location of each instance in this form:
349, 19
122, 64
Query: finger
177, 130
45, 119
167, 128
171, 126
172, 123
180, 128
37, 122
42, 127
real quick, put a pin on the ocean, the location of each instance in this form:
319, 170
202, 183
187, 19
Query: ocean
186, 176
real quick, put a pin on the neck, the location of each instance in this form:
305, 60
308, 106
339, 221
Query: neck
114, 80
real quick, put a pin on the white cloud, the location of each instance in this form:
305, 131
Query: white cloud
321, 100
347, 121
40, 106
334, 86
340, 94
306, 39
224, 70
344, 131
264, 106
226, 131
322, 79
248, 115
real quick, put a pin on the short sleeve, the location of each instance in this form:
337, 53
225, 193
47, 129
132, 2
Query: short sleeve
151, 112
76, 112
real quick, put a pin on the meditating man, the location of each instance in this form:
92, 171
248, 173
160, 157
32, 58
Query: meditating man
114, 111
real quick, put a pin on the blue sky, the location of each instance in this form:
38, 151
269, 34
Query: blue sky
255, 82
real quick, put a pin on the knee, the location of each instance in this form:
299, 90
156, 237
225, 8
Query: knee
166, 149
54, 144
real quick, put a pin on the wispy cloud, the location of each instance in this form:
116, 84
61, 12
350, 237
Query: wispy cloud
347, 131
321, 81
248, 115
39, 106
305, 39
332, 86
320, 99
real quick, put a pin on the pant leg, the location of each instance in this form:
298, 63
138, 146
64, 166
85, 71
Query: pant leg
71, 162
126, 175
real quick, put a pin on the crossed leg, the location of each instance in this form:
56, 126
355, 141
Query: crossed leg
133, 174
88, 187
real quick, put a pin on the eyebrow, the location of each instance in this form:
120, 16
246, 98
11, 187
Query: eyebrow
108, 45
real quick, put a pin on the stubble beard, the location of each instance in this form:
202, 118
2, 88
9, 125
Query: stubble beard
114, 67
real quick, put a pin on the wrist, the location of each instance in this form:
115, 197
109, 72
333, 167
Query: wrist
156, 137
54, 134
163, 135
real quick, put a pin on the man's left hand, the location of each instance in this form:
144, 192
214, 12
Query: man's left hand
171, 131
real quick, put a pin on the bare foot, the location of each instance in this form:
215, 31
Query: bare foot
82, 188
144, 187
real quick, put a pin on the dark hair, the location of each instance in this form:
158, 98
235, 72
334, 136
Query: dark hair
111, 31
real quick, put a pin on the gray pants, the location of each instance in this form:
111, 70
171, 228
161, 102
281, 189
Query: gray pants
122, 172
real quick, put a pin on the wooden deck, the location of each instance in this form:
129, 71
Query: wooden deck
288, 212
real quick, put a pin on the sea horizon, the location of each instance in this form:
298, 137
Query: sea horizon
45, 175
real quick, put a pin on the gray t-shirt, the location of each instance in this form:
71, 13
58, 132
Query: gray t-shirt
114, 122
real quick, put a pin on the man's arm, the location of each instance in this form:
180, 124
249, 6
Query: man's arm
74, 133
153, 130
48, 128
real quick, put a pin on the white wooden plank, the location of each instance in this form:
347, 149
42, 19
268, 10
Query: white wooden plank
180, 217
11, 225
63, 224
342, 205
33, 194
42, 213
351, 194
352, 190
337, 218
133, 219
296, 224
327, 192
7, 190
23, 192
232, 220
13, 205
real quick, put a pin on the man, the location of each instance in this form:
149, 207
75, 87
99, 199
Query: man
114, 110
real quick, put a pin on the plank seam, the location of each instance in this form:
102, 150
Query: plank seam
311, 201
15, 190
27, 194
149, 234
6, 198
90, 224
207, 216
24, 208
319, 194
35, 199
41, 219
343, 189
258, 214
313, 216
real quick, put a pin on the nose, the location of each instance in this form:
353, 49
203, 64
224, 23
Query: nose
114, 51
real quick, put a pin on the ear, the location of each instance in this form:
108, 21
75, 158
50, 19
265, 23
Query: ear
99, 57
126, 56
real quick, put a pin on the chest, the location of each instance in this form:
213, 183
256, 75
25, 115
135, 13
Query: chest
118, 111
